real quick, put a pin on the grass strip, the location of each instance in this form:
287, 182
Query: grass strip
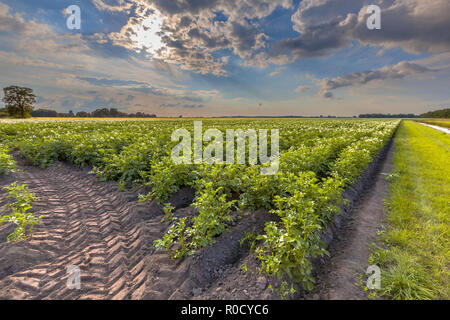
415, 257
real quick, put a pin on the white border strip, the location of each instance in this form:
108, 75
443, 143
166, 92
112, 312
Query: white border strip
436, 127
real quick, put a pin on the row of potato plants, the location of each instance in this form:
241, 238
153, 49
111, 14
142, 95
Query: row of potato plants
318, 159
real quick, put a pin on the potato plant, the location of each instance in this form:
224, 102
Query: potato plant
19, 212
318, 160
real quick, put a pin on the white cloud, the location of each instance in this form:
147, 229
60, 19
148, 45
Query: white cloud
191, 34
302, 89
120, 5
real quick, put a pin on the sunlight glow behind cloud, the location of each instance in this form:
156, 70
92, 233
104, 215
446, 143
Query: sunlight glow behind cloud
146, 36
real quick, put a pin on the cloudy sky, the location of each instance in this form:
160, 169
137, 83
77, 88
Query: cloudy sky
229, 57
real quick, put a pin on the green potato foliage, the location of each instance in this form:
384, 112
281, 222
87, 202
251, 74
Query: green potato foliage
7, 164
318, 160
20, 214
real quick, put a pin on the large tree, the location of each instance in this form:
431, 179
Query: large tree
19, 101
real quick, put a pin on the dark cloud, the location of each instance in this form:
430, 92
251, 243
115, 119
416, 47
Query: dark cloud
81, 104
398, 71
193, 106
166, 93
327, 25
111, 82
170, 105
414, 25
10, 24
184, 6
328, 95
150, 90
186, 106
192, 99
316, 41
100, 102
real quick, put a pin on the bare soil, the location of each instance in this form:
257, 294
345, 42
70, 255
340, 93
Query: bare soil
109, 236
339, 276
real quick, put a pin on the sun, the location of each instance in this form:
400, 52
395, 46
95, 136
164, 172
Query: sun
146, 35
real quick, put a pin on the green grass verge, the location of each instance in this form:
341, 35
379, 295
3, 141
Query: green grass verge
415, 259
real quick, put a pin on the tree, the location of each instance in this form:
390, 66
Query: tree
82, 114
100, 113
3, 113
113, 112
443, 114
19, 101
44, 113
381, 115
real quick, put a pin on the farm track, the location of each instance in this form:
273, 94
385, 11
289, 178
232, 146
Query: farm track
88, 224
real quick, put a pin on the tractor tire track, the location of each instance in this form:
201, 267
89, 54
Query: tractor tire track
107, 234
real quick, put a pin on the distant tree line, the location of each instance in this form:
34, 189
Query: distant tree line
441, 114
19, 104
99, 113
381, 115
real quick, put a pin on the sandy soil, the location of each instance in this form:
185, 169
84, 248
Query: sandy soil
109, 236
